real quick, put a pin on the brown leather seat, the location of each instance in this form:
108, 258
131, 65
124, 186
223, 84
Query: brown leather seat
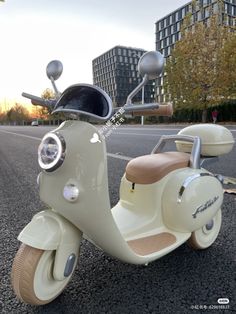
148, 169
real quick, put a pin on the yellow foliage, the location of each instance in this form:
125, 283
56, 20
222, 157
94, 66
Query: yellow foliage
202, 69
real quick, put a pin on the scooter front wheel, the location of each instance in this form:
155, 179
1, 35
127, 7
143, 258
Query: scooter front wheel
203, 238
32, 277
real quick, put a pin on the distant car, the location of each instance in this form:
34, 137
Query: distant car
34, 123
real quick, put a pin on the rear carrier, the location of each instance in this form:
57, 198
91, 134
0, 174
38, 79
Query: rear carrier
216, 140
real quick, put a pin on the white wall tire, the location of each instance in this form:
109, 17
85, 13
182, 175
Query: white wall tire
204, 237
32, 278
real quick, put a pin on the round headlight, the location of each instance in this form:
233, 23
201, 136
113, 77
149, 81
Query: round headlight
51, 151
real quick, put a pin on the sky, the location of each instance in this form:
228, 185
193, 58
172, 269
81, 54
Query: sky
73, 31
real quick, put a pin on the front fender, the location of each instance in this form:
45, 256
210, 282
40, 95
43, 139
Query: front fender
50, 231
43, 231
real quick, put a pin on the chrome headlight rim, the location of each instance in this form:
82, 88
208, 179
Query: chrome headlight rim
57, 162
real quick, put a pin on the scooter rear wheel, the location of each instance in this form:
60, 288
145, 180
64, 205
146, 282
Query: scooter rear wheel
32, 277
203, 238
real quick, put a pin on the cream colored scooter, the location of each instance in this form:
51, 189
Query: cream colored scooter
166, 198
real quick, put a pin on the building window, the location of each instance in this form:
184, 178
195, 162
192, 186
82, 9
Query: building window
166, 52
206, 12
178, 26
177, 16
199, 15
168, 21
173, 18
215, 8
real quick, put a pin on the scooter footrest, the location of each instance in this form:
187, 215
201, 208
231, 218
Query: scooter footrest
152, 244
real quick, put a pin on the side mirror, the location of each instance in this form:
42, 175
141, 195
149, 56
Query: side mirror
151, 64
54, 70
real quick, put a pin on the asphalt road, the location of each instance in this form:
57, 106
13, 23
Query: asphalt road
176, 283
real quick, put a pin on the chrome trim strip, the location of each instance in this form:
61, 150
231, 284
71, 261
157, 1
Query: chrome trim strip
189, 180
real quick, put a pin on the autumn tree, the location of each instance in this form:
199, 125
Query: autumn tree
201, 66
2, 115
45, 112
17, 114
40, 112
228, 67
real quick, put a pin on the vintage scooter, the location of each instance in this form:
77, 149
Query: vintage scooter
166, 198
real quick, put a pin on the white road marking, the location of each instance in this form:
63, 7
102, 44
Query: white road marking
137, 134
150, 129
22, 135
122, 157
116, 156
160, 129
119, 156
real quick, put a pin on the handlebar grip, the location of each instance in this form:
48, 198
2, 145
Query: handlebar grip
163, 110
38, 101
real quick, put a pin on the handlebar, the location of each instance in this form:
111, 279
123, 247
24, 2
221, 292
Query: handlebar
38, 101
161, 110
129, 108
136, 110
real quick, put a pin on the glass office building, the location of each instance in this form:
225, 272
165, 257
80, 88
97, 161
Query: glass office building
168, 28
115, 71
